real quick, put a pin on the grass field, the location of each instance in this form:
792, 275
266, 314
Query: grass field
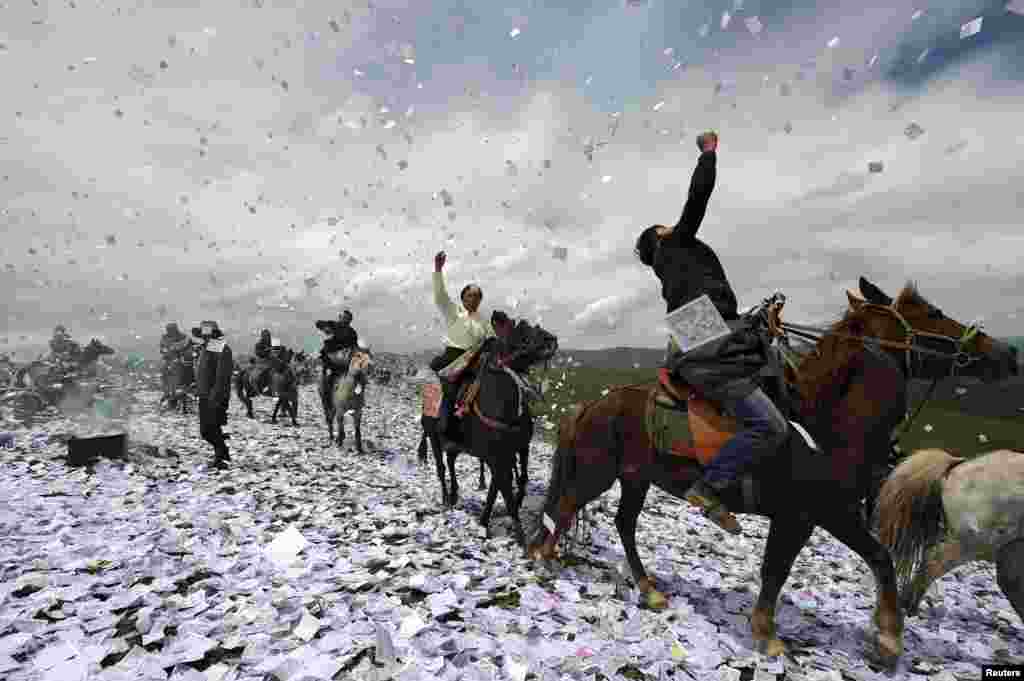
951, 429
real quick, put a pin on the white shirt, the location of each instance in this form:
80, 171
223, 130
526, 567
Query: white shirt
465, 330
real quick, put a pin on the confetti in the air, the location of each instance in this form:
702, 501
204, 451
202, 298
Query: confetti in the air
972, 27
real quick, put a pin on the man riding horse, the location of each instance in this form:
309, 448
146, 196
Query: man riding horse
342, 337
723, 370
62, 348
466, 332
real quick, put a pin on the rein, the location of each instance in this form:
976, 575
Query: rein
909, 345
492, 423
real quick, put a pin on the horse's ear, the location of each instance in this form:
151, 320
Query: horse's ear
873, 294
855, 299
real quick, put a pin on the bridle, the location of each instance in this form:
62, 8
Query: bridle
960, 356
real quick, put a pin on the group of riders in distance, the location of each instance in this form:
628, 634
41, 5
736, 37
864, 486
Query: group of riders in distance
743, 423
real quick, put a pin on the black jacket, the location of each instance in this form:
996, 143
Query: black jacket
213, 375
342, 338
686, 266
723, 370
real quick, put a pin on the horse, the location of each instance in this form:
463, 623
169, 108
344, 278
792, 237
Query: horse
45, 372
429, 424
849, 392
937, 511
497, 423
54, 381
348, 395
283, 385
303, 367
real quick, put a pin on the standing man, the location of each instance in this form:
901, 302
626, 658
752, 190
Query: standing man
213, 388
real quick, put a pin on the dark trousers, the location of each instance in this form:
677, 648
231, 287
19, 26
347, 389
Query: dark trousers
763, 429
448, 389
211, 418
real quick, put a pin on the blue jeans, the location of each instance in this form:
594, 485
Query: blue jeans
763, 430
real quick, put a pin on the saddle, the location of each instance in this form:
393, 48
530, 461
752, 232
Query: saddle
683, 423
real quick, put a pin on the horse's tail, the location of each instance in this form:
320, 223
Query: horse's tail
910, 512
563, 468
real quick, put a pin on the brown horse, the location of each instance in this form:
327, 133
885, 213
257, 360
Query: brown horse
849, 393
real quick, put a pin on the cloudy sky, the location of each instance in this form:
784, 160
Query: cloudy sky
264, 165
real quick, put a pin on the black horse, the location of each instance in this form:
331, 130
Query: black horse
282, 382
497, 425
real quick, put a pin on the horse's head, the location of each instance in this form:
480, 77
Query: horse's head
526, 345
939, 346
97, 348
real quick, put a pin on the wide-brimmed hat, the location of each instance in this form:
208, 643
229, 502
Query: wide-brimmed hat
210, 327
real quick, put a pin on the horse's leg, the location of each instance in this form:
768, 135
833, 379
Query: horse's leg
522, 476
846, 526
939, 559
482, 484
273, 415
435, 446
357, 417
787, 535
492, 495
453, 493
1010, 574
295, 408
634, 493
422, 449
503, 476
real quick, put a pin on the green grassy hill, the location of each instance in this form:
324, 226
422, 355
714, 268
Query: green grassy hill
953, 426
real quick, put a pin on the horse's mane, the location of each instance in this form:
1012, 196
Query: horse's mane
825, 371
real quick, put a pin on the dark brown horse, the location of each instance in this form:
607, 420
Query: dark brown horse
430, 427
850, 393
497, 426
283, 385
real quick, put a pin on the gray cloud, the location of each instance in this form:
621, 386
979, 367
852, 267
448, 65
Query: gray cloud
793, 211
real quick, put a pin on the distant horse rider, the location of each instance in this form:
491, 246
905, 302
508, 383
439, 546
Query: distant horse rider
213, 388
342, 337
261, 352
466, 332
723, 370
63, 348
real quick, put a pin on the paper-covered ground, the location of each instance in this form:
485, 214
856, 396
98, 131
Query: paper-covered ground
308, 562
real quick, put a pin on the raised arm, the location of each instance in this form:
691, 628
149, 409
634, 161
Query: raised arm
444, 303
701, 186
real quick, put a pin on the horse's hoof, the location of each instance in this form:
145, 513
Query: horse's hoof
772, 647
656, 600
890, 648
